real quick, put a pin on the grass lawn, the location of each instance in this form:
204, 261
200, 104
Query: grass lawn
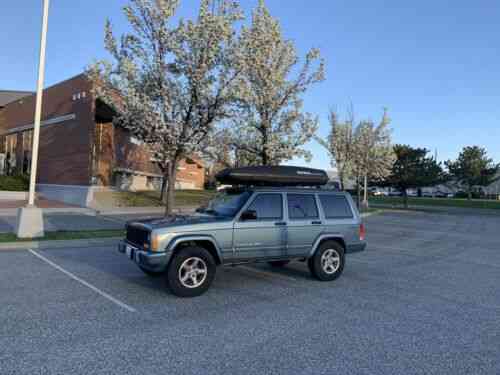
442, 202
192, 198
65, 235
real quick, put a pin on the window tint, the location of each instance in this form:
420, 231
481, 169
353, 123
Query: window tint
335, 206
302, 206
267, 206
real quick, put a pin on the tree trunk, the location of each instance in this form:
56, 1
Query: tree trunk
265, 137
358, 195
172, 174
265, 160
164, 184
365, 194
341, 180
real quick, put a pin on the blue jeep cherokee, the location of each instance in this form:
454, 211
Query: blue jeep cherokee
248, 225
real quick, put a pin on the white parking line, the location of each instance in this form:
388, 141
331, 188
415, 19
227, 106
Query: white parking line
83, 282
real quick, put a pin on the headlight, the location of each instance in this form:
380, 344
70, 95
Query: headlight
158, 239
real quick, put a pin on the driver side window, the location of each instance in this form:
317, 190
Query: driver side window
267, 207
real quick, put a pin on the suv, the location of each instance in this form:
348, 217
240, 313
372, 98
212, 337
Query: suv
249, 225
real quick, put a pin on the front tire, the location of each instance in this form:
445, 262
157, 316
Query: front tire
328, 261
191, 272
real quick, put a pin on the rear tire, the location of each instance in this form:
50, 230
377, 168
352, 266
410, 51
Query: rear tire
328, 261
279, 263
191, 272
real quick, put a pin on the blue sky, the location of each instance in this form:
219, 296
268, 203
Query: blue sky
434, 64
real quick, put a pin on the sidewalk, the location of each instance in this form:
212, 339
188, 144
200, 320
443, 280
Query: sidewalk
10, 207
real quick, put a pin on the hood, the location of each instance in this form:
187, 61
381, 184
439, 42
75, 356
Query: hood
178, 220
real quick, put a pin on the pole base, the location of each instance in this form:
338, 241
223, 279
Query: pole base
365, 205
29, 222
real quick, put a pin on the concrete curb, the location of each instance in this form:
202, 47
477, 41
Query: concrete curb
58, 244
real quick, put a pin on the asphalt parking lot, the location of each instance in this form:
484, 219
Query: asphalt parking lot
423, 299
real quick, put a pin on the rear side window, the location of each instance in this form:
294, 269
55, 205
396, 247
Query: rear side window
335, 207
267, 206
302, 206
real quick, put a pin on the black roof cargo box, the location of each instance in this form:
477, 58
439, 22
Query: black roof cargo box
273, 176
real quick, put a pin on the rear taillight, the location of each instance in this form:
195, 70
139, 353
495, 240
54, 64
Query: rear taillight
362, 232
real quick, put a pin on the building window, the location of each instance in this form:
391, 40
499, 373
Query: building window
27, 144
10, 153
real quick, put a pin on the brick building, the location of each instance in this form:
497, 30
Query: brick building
80, 150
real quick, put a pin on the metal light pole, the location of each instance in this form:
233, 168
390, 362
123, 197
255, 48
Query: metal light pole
38, 108
30, 219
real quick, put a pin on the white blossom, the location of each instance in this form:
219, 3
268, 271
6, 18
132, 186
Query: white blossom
169, 85
359, 151
271, 126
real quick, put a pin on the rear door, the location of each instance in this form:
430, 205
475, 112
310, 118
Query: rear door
304, 223
264, 237
339, 217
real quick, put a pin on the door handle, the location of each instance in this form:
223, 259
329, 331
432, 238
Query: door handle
280, 224
316, 223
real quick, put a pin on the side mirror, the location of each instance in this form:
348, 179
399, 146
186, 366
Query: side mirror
249, 215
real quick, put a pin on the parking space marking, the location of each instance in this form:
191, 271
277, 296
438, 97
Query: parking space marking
83, 282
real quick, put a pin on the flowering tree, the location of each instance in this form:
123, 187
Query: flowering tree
360, 152
373, 153
169, 84
271, 126
340, 145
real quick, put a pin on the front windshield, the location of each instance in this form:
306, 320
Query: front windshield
227, 203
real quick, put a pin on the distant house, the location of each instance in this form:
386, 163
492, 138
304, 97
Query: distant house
494, 188
81, 151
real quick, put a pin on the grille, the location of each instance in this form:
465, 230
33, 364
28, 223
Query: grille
137, 235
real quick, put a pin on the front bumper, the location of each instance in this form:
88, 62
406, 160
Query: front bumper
155, 262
